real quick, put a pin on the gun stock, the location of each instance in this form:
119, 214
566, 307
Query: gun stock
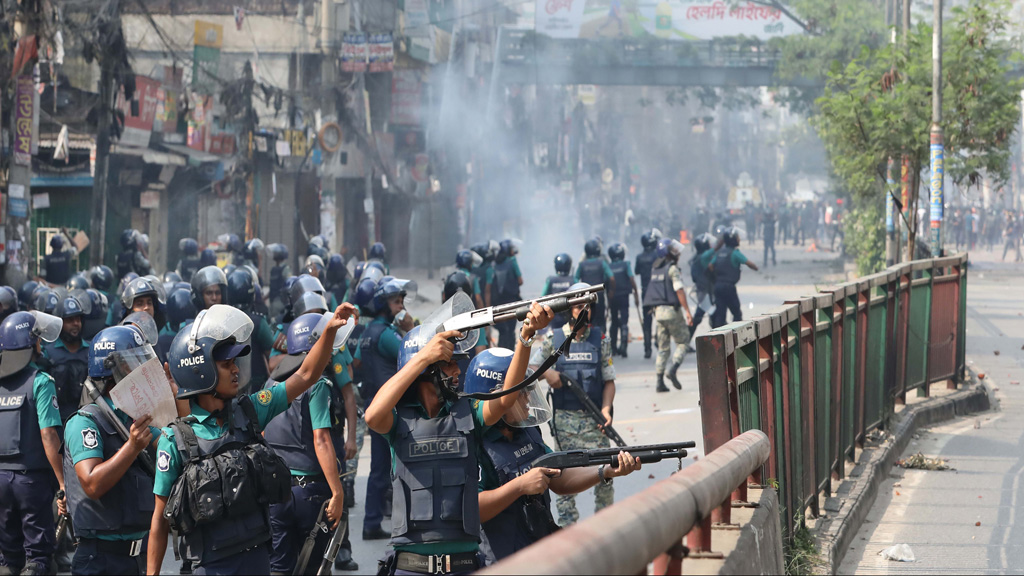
332, 549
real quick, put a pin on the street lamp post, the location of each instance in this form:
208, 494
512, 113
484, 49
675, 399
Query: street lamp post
936, 136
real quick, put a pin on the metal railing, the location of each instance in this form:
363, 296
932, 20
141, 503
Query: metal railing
820, 372
651, 525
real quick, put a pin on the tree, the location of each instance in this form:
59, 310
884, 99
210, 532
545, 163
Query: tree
878, 106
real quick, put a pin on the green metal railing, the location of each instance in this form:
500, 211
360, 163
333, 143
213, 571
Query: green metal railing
820, 372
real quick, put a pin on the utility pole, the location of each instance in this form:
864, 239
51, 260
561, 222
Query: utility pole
891, 243
936, 136
106, 60
24, 130
907, 176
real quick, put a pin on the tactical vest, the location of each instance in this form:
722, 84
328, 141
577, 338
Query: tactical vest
127, 507
291, 434
557, 285
660, 291
188, 266
125, 263
375, 369
725, 273
622, 283
435, 478
21, 444
505, 288
528, 519
644, 264
591, 271
699, 274
69, 371
220, 503
583, 364
58, 267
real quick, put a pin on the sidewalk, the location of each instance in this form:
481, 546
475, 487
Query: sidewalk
969, 519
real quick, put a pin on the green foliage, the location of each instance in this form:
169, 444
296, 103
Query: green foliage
865, 238
878, 106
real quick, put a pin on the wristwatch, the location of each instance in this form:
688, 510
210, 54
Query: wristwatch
600, 474
526, 343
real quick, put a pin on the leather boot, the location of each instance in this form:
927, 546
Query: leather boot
661, 384
672, 376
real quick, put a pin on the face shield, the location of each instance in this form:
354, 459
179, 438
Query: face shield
340, 337
84, 300
460, 303
531, 408
122, 363
411, 290
219, 322
476, 259
517, 246
47, 326
145, 323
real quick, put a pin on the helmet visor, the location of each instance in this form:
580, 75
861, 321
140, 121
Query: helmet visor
460, 303
340, 337
411, 290
123, 362
220, 322
47, 326
145, 323
531, 408
83, 300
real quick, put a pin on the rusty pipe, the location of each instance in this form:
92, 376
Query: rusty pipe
623, 538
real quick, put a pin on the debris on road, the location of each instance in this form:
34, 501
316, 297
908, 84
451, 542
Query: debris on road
922, 462
898, 553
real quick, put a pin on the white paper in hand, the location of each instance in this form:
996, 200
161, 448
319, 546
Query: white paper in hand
146, 391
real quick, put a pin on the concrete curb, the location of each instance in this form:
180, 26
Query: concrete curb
837, 531
760, 541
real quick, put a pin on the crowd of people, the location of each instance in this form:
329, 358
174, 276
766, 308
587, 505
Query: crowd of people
980, 228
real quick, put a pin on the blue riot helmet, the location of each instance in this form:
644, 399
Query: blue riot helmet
455, 282
46, 301
125, 281
188, 246
171, 277
145, 287
648, 241
69, 307
116, 351
309, 302
316, 245
96, 313
101, 277
145, 324
314, 266
129, 239
180, 308
617, 252
668, 248
205, 278
241, 290
77, 282
57, 242
301, 335
336, 271
563, 264
252, 249
731, 236
467, 259
378, 252
481, 250
305, 283
386, 289
486, 373
8, 301
703, 242
213, 336
161, 292
363, 295
208, 257
278, 252
25, 294
510, 247
230, 242
592, 249
229, 269
19, 334
374, 271
357, 272
286, 292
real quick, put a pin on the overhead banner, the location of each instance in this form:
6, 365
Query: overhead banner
668, 19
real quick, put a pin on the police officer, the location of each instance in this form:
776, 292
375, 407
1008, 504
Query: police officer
317, 246
485, 271
379, 253
101, 278
505, 287
589, 363
8, 301
251, 252
30, 446
559, 283
725, 263
379, 348
25, 294
310, 438
233, 245
465, 262
666, 294
132, 257
223, 433
241, 294
623, 285
57, 264
436, 520
110, 494
644, 264
279, 271
593, 270
144, 295
702, 280
189, 262
95, 318
337, 277
515, 503
67, 358
209, 287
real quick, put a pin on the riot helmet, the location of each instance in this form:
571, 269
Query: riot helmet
592, 249
418, 337
467, 259
309, 302
703, 242
648, 241
69, 307
57, 242
278, 252
142, 288
46, 300
101, 277
510, 247
207, 257
129, 239
668, 248
125, 281
302, 334
241, 290
115, 353
486, 373
188, 246
195, 351
171, 277
180, 308
77, 282
230, 242
378, 252
363, 296
731, 236
617, 252
563, 264
206, 278
145, 324
336, 271
457, 281
19, 334
26, 294
305, 283
8, 301
252, 249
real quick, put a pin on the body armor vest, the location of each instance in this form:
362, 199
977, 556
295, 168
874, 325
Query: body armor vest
21, 444
660, 291
725, 273
291, 434
583, 364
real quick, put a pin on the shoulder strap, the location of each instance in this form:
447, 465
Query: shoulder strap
185, 438
250, 415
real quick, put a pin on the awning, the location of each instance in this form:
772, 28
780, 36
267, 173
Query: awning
62, 181
148, 155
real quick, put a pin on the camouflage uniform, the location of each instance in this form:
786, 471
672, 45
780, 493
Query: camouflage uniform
576, 430
352, 466
671, 325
